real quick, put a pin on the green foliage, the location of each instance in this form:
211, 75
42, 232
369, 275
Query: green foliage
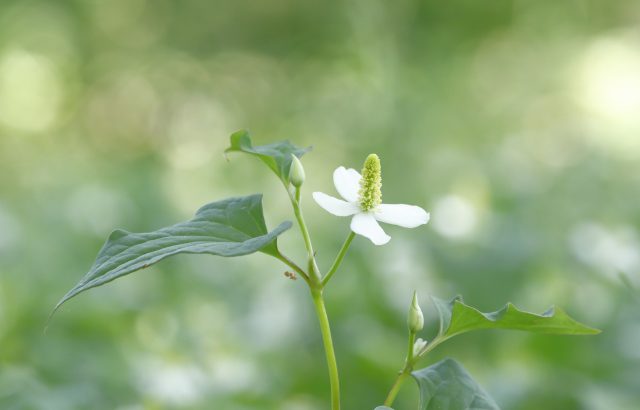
276, 156
456, 317
231, 227
507, 107
446, 385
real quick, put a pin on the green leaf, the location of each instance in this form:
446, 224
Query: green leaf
277, 156
446, 385
231, 227
457, 318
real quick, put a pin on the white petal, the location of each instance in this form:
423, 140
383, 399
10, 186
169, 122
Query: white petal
347, 182
335, 206
366, 225
407, 216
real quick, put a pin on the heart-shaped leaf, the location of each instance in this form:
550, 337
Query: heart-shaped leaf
446, 385
457, 318
277, 156
231, 227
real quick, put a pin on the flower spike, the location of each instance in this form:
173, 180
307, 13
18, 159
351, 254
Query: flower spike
370, 184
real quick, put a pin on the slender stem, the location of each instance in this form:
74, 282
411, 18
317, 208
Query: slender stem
332, 364
293, 266
313, 267
408, 367
406, 371
410, 359
315, 285
339, 258
395, 388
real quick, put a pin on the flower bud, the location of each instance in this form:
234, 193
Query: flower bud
415, 319
418, 346
296, 172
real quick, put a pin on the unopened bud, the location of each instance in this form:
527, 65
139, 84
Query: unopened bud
418, 346
415, 319
296, 172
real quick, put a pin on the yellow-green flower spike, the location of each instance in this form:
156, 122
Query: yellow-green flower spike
370, 184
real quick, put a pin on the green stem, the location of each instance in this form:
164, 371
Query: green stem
315, 286
313, 267
396, 388
406, 371
332, 364
293, 266
410, 359
339, 258
408, 366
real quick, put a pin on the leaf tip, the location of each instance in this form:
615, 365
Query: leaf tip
237, 139
286, 225
53, 312
448, 361
117, 234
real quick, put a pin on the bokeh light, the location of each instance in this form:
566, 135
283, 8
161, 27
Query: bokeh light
514, 123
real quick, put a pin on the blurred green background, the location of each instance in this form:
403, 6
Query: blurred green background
516, 123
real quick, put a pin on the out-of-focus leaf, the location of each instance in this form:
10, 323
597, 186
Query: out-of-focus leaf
277, 156
231, 227
633, 290
456, 317
446, 385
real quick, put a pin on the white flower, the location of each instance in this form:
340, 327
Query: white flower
362, 199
